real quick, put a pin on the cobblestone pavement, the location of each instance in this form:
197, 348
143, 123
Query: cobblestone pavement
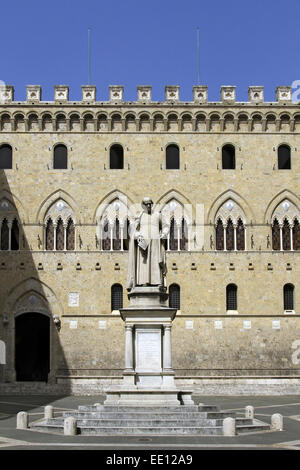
265, 406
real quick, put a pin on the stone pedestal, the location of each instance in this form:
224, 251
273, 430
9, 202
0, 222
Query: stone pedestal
148, 375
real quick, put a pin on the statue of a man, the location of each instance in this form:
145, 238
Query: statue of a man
147, 260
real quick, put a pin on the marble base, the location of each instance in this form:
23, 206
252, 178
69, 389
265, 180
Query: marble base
135, 396
147, 296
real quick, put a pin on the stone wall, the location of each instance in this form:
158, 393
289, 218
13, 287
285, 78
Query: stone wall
94, 346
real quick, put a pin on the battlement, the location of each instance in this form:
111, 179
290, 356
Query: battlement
144, 96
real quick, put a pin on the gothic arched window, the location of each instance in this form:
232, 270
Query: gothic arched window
5, 157
231, 297
219, 235
60, 236
240, 236
60, 157
126, 235
284, 157
229, 236
172, 157
106, 236
296, 235
70, 235
4, 235
286, 236
228, 157
14, 244
184, 236
174, 296
173, 235
116, 157
288, 297
49, 235
116, 297
275, 235
116, 235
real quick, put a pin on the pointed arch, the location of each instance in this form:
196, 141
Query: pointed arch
285, 194
15, 201
168, 196
54, 197
235, 197
34, 286
108, 199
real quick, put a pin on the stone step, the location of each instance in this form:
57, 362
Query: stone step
133, 431
116, 408
149, 422
130, 415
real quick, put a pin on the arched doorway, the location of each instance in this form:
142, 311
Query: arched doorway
32, 347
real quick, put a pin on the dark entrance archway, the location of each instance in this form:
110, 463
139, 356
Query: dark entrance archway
32, 347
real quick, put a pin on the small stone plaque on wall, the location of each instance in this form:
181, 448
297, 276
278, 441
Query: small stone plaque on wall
189, 324
247, 325
218, 324
73, 299
102, 324
276, 324
73, 324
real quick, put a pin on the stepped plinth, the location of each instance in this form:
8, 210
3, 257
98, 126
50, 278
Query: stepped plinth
148, 378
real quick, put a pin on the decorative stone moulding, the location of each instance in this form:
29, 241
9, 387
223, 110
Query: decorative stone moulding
144, 93
172, 93
116, 93
200, 94
283, 94
61, 93
256, 94
6, 93
33, 93
88, 93
228, 94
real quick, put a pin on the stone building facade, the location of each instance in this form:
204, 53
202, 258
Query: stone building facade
225, 176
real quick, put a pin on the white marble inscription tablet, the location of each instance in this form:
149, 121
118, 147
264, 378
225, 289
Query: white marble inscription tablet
148, 350
73, 299
73, 324
189, 324
276, 324
102, 324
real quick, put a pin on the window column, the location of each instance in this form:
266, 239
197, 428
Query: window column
224, 237
291, 238
234, 237
111, 227
65, 236
54, 236
9, 224
122, 235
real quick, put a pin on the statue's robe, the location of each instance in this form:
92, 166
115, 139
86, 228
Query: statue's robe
147, 261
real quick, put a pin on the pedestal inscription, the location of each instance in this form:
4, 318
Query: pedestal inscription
148, 350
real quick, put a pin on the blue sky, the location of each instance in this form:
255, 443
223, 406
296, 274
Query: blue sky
154, 43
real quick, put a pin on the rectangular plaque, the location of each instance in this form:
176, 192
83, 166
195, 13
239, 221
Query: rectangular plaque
276, 324
189, 324
247, 324
218, 324
148, 350
73, 324
102, 324
73, 299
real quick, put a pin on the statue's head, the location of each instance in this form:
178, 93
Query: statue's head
147, 204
